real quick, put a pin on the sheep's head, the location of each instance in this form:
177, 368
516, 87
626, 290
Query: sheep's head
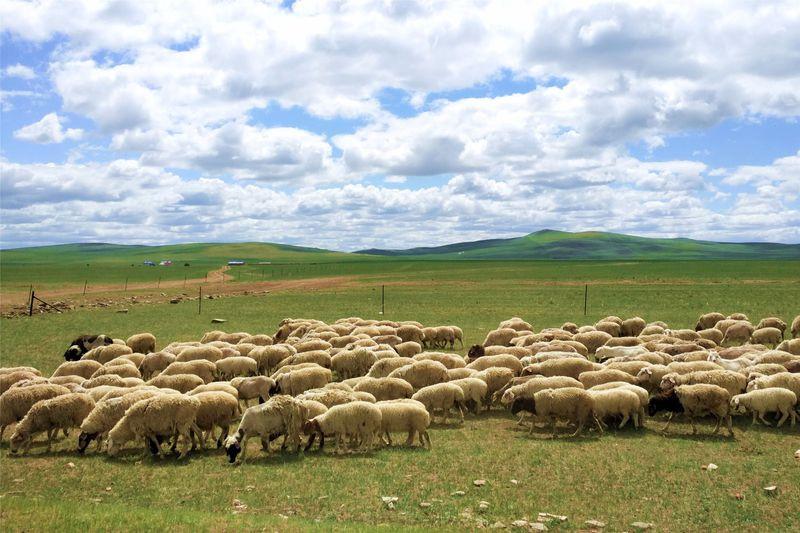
644, 375
475, 351
113, 447
523, 404
668, 382
507, 398
666, 401
17, 441
311, 427
73, 353
736, 404
713, 356
84, 439
232, 448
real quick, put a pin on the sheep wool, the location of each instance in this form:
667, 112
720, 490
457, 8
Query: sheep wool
62, 412
443, 396
769, 400
16, 402
406, 416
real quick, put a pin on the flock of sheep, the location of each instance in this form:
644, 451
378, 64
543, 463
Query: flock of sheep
360, 380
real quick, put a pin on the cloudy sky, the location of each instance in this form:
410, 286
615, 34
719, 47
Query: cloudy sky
396, 123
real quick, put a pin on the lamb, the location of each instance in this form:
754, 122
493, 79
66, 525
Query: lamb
204, 369
475, 392
408, 348
503, 361
500, 337
153, 363
421, 373
442, 396
105, 353
85, 343
449, 360
217, 409
385, 388
298, 381
352, 363
105, 415
384, 367
616, 402
281, 415
256, 387
739, 332
708, 320
598, 377
179, 382
405, 416
769, 400
733, 382
199, 353
633, 326
163, 415
791, 346
695, 400
766, 336
571, 403
784, 380
84, 368
592, 339
572, 367
61, 412
232, 367
144, 343
354, 419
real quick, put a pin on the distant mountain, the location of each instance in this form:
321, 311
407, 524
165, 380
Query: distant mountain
550, 244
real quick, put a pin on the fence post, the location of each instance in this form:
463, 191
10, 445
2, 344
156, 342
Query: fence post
383, 297
126, 285
184, 280
585, 298
33, 295
200, 301
84, 287
158, 285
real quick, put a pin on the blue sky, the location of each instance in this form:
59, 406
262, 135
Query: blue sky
398, 124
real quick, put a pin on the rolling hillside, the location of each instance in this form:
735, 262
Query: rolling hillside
550, 244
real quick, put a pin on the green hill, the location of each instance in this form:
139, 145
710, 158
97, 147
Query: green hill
550, 244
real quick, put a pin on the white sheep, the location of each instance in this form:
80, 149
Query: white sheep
442, 396
569, 403
206, 352
769, 400
607, 375
475, 392
421, 373
280, 415
16, 402
383, 367
385, 388
504, 360
252, 388
62, 412
105, 416
204, 369
784, 380
180, 382
616, 402
217, 409
408, 416
358, 420
84, 368
353, 363
143, 343
298, 381
231, 367
733, 382
156, 362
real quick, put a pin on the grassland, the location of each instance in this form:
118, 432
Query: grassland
619, 478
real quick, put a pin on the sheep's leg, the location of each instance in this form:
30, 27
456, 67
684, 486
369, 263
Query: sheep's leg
669, 420
445, 412
794, 417
461, 413
410, 439
2, 430
625, 419
783, 418
729, 421
597, 423
753, 423
243, 445
764, 420
640, 424
694, 427
553, 421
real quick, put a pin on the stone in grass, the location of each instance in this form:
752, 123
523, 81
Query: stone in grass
547, 517
424, 505
771, 490
797, 454
709, 466
218, 320
497, 525
389, 501
457, 493
595, 524
483, 505
642, 525
479, 482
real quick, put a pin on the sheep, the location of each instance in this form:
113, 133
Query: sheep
154, 363
109, 379
291, 368
319, 357
496, 378
766, 336
681, 367
629, 367
383, 367
217, 409
67, 380
570, 326
784, 380
708, 320
769, 400
772, 322
330, 397
738, 316
506, 361
163, 415
733, 382
447, 359
517, 324
234, 338
739, 332
796, 327
256, 387
298, 381
616, 402
598, 377
312, 345
232, 367
763, 369
624, 341
385, 388
144, 343
123, 371
791, 366
421, 373
105, 415
691, 356
352, 363
442, 396
105, 353
408, 348
204, 369
773, 356
268, 357
7, 380
200, 353
61, 412
737, 365
651, 330
281, 415
572, 367
499, 337
592, 340
791, 346
607, 352
711, 334
342, 341
475, 392
258, 340
85, 343
640, 392
216, 386
516, 351
180, 382
84, 368
527, 386
460, 373
405, 416
411, 333
355, 419
695, 400
210, 336
571, 403
612, 328
633, 326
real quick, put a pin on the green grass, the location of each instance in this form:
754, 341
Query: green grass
620, 478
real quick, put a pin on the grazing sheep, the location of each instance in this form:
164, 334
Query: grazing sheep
61, 412
624, 341
460, 373
475, 392
407, 416
769, 400
500, 337
766, 336
217, 410
502, 361
123, 371
570, 403
353, 363
105, 415
421, 373
604, 353
737, 365
163, 415
281, 415
109, 379
85, 343
144, 343
616, 402
232, 367
411, 333
699, 400
258, 340
330, 397
256, 387
385, 388
496, 378
629, 367
84, 368
639, 391
449, 360
681, 367
651, 330
598, 377
200, 353
204, 369
763, 369
216, 386
632, 327
572, 367
732, 382
355, 419
791, 346
298, 381
516, 351
592, 340
408, 348
105, 353
156, 362
8, 380
570, 326
179, 382
442, 396
784, 380
312, 345
517, 324
318, 357
708, 320
772, 322
739, 332
712, 334
527, 386
796, 327
268, 357
383, 367
612, 328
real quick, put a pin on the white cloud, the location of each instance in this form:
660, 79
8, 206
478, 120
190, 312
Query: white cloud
47, 130
19, 71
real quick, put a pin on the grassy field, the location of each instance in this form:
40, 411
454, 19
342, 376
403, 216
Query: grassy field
622, 477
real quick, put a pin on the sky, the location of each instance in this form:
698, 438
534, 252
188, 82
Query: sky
397, 123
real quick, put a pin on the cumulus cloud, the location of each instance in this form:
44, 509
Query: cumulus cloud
47, 130
19, 71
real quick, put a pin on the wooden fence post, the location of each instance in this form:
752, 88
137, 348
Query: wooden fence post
33, 295
200, 301
585, 298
